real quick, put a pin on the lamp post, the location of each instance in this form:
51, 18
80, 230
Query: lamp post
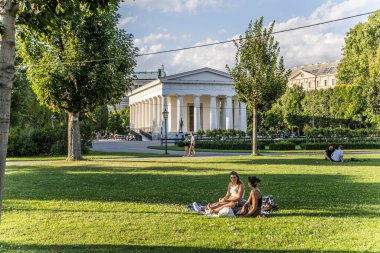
165, 114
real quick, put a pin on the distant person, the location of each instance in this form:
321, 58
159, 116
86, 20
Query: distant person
187, 145
97, 136
192, 145
337, 155
330, 149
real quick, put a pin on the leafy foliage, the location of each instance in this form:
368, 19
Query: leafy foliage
79, 87
259, 75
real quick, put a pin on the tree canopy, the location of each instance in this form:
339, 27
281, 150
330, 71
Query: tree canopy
259, 74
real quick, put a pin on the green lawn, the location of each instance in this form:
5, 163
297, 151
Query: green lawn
140, 206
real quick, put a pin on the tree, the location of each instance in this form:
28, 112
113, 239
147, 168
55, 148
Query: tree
40, 16
374, 85
361, 43
358, 64
292, 106
79, 88
259, 76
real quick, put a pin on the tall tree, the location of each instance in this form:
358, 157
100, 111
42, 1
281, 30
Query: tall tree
81, 86
39, 15
358, 65
292, 106
374, 85
259, 74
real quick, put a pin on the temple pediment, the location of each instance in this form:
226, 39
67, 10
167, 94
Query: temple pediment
199, 75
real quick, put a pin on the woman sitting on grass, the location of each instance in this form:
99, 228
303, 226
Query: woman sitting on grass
254, 201
234, 195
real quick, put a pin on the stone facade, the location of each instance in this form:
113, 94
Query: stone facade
315, 76
200, 99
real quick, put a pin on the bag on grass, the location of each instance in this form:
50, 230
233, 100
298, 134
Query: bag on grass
226, 212
268, 203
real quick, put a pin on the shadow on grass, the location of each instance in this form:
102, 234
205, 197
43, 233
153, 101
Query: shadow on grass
87, 182
139, 248
264, 160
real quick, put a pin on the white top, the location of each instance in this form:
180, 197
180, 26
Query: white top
234, 191
337, 154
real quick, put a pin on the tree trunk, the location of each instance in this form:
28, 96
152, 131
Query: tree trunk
74, 143
254, 130
7, 69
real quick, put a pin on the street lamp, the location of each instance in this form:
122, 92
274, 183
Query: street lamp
165, 114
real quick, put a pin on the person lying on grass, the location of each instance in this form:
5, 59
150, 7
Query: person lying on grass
234, 195
252, 208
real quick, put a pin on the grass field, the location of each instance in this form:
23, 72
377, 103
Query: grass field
140, 206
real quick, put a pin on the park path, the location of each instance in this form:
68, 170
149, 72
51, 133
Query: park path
142, 147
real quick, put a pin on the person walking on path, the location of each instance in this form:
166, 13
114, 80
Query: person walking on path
187, 145
192, 145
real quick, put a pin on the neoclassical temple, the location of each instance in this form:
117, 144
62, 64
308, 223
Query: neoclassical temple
199, 99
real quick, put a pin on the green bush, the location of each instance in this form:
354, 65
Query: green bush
323, 146
282, 146
39, 141
227, 145
314, 146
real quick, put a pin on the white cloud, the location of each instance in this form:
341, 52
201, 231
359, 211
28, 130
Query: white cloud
214, 56
321, 43
172, 5
154, 37
127, 20
301, 47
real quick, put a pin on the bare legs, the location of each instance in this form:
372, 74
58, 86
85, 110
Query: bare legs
216, 207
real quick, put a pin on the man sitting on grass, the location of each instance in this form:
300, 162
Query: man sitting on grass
337, 155
330, 149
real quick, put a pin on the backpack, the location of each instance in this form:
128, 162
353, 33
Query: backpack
268, 203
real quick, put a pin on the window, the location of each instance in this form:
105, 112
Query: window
325, 82
329, 70
309, 85
314, 71
302, 85
317, 83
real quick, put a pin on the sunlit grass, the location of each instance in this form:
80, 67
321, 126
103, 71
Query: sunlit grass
140, 206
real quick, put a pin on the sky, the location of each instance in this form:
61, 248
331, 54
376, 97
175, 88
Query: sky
169, 24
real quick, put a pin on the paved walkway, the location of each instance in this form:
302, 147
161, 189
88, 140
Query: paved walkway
142, 147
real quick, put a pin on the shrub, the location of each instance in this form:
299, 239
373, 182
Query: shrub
228, 145
314, 146
323, 146
282, 146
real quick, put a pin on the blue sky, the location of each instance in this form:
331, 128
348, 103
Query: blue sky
168, 24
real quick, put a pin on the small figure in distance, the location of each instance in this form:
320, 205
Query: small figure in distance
330, 149
192, 145
176, 139
187, 145
337, 155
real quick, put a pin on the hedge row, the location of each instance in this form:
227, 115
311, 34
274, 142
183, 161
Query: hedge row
321, 146
282, 146
228, 144
38, 141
